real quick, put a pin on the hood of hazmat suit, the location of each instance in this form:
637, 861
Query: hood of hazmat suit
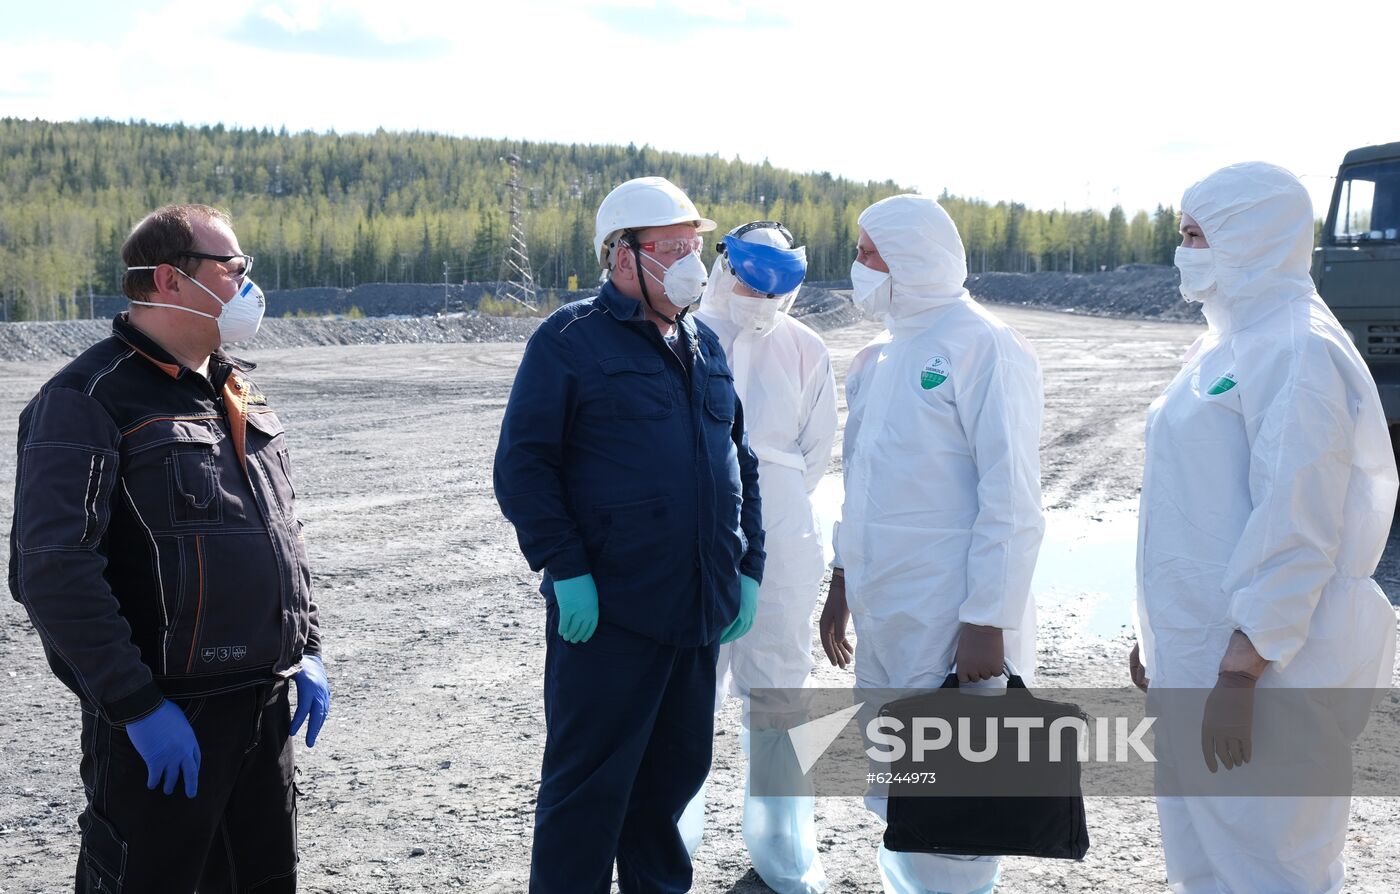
942, 516
1269, 485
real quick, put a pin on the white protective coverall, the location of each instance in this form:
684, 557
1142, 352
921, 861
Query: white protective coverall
1267, 497
783, 376
942, 521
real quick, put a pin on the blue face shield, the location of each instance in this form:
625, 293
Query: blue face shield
766, 269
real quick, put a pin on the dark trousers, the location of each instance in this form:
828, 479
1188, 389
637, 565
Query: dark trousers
630, 727
238, 833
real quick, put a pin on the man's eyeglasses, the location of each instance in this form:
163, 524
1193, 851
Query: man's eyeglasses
672, 246
237, 271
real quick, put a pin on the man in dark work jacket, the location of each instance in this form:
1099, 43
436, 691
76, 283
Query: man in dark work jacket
158, 552
624, 466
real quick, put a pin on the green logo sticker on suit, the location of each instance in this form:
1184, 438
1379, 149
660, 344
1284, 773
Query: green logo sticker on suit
935, 373
1222, 384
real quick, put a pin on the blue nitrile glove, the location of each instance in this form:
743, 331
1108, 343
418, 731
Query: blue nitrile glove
165, 740
748, 607
313, 698
578, 608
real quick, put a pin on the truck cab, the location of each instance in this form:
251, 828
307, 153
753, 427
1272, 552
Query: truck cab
1356, 264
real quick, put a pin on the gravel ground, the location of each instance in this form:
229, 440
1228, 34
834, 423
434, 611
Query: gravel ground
435, 642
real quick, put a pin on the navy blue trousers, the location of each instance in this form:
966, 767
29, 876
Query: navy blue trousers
630, 728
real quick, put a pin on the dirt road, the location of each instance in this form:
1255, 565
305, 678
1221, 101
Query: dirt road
435, 643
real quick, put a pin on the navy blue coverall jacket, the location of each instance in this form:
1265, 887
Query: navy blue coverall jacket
618, 461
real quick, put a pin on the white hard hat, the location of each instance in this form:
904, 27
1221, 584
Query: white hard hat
639, 203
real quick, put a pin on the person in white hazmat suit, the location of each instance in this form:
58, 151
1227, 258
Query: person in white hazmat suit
942, 521
783, 376
1267, 496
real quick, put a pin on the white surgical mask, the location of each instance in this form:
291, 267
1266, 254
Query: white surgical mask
759, 315
684, 280
1197, 266
871, 290
241, 316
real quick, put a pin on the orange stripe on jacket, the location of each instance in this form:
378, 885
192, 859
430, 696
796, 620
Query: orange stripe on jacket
199, 605
236, 404
134, 429
170, 369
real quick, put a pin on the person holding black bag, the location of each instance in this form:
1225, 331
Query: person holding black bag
942, 518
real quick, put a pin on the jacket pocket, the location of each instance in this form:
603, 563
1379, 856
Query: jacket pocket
239, 589
302, 573
269, 427
193, 479
189, 616
633, 532
284, 459
170, 472
640, 583
638, 387
719, 396
267, 446
63, 497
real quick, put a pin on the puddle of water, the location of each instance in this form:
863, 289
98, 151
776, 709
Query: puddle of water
1086, 566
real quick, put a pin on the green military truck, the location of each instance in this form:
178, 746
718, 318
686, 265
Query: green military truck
1356, 264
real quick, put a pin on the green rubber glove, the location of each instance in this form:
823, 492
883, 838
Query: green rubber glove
578, 608
748, 607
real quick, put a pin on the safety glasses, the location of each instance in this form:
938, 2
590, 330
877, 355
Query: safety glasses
671, 246
238, 266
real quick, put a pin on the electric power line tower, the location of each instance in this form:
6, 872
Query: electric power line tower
517, 282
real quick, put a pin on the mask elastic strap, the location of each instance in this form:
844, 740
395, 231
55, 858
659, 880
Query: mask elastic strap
207, 291
188, 310
637, 254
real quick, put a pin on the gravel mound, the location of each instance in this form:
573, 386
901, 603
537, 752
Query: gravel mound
452, 328
49, 341
823, 309
1133, 291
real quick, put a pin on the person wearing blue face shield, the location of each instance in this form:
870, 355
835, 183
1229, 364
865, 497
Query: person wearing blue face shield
624, 467
157, 549
784, 378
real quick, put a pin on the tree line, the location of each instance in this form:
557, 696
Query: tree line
344, 209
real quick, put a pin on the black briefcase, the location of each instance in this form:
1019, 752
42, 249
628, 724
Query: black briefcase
1025, 801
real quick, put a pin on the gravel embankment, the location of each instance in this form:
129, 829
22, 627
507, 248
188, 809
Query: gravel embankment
1135, 291
818, 308
48, 341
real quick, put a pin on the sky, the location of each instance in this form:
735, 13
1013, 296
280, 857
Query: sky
1072, 104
